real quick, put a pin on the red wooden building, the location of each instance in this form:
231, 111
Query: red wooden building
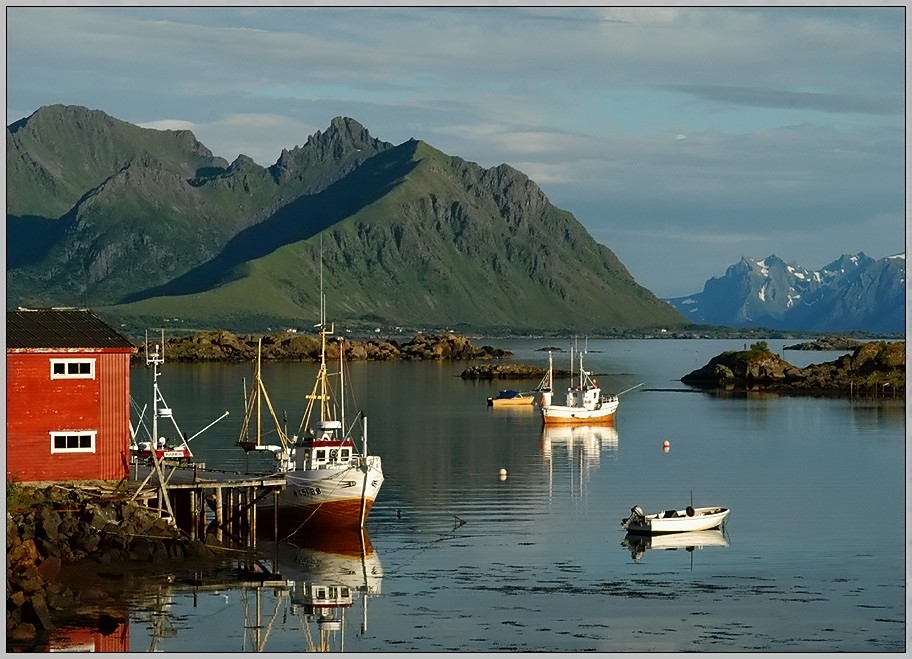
67, 396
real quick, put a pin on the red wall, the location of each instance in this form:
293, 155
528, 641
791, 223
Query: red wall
84, 639
37, 405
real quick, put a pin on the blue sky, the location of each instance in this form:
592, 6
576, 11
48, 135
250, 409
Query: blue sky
682, 138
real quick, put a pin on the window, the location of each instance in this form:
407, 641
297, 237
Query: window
320, 455
75, 441
72, 368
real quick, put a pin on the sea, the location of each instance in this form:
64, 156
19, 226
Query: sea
493, 534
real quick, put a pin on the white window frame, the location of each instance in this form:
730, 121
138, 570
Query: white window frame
91, 434
71, 361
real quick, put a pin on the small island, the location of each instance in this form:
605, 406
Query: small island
223, 346
877, 368
827, 343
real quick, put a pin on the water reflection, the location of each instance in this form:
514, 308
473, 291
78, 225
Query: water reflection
324, 577
639, 544
579, 448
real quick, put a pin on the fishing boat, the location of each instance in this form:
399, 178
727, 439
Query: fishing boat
585, 403
158, 447
511, 398
675, 521
330, 481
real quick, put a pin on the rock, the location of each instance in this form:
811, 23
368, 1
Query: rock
826, 343
875, 368
287, 346
36, 610
50, 521
49, 568
25, 631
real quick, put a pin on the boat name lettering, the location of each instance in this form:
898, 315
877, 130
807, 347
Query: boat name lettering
307, 491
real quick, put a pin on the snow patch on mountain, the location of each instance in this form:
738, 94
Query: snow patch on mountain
853, 292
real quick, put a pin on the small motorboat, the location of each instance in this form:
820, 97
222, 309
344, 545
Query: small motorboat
510, 398
675, 521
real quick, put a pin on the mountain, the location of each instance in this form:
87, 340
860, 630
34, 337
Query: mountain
144, 225
854, 292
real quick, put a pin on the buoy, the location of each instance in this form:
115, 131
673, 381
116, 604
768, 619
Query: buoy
666, 444
503, 472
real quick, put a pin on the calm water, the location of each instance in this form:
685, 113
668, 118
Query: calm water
812, 557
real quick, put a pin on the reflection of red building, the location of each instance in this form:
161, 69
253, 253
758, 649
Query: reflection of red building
92, 640
67, 396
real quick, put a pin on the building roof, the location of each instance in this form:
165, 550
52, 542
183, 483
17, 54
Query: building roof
60, 328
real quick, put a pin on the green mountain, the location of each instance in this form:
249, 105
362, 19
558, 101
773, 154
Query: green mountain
144, 225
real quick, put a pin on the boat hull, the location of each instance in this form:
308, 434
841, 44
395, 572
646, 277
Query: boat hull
519, 401
338, 498
563, 414
703, 519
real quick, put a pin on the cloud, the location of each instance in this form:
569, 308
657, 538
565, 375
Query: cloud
882, 104
732, 122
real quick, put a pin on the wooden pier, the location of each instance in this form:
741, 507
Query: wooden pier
206, 502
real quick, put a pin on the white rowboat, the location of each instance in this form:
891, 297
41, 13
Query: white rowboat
675, 521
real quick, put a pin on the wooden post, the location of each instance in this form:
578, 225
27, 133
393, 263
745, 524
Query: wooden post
218, 514
252, 541
193, 520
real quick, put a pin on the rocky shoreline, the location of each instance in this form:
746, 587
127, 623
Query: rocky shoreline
873, 369
827, 343
508, 372
224, 346
54, 527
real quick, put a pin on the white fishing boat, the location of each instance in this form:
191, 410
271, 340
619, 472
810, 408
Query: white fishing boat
675, 521
330, 481
585, 403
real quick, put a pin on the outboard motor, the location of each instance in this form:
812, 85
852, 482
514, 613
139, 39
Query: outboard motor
636, 516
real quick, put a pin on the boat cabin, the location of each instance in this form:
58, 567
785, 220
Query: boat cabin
586, 397
325, 449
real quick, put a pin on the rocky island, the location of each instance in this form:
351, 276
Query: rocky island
873, 369
224, 346
827, 343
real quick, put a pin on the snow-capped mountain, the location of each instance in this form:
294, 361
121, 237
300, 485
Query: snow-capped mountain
854, 292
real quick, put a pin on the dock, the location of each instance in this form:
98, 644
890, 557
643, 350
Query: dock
204, 502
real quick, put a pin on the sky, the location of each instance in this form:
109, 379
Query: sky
682, 137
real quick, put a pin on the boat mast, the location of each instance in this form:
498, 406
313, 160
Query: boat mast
342, 382
156, 359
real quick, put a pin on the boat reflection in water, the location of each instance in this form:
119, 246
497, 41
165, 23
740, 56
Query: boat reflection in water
638, 543
579, 448
327, 574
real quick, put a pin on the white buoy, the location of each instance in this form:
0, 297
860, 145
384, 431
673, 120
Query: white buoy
666, 445
503, 474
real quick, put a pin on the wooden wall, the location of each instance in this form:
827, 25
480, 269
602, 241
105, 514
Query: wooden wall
36, 405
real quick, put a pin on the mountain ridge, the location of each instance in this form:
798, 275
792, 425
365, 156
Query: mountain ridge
408, 234
852, 292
